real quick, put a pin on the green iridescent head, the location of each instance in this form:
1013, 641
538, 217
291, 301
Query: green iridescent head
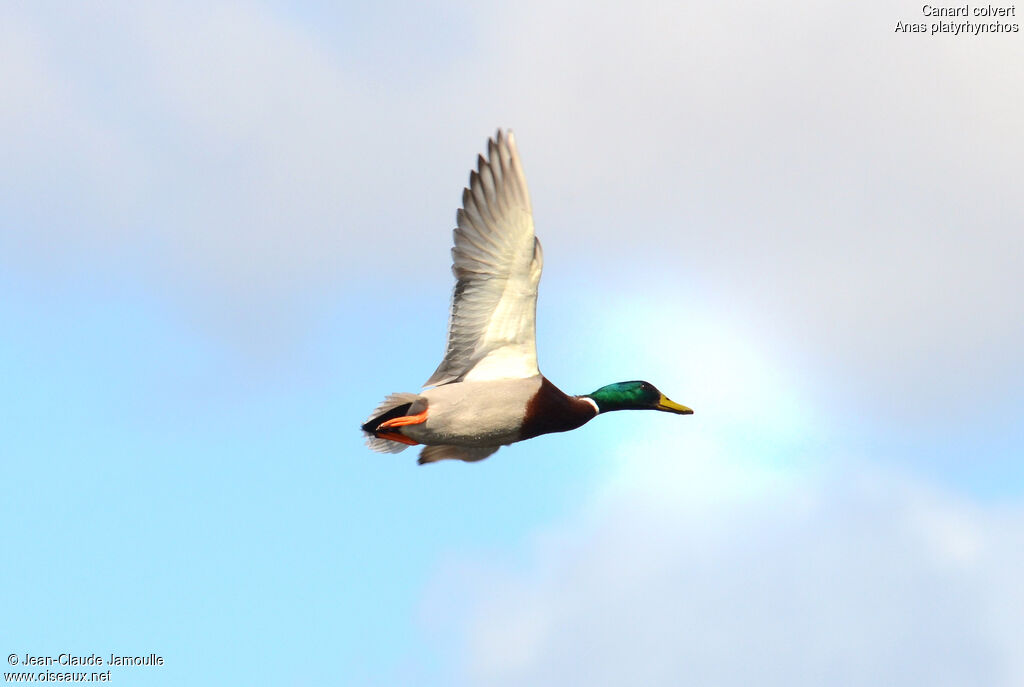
634, 396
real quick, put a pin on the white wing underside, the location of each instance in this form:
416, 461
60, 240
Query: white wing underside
497, 262
470, 454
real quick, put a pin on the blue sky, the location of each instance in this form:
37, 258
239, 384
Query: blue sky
224, 235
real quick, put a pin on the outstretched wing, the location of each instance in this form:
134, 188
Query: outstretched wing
497, 263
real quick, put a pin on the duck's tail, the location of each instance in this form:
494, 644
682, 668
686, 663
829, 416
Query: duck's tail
395, 405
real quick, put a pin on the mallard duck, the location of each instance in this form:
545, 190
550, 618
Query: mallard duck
488, 391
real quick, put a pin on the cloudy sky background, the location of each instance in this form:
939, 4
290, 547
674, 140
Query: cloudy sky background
224, 234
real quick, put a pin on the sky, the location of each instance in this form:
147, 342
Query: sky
224, 238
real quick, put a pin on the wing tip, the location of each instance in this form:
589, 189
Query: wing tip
504, 139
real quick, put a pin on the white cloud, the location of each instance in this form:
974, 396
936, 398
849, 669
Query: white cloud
224, 156
851, 191
850, 577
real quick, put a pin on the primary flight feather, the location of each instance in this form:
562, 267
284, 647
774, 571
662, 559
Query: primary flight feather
488, 391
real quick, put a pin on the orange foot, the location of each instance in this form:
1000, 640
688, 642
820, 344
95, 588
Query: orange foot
403, 421
395, 436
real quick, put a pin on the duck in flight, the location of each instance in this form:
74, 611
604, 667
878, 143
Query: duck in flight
488, 391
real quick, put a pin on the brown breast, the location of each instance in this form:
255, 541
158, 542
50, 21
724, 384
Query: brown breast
551, 410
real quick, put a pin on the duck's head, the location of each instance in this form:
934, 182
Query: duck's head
634, 396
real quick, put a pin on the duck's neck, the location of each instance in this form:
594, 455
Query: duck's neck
552, 410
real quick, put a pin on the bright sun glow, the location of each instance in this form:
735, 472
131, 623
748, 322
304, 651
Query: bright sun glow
751, 418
